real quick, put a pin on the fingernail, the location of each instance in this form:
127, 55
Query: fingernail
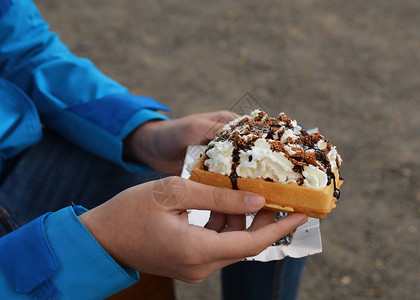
254, 200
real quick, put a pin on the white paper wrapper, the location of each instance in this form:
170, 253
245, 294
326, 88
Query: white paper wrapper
306, 240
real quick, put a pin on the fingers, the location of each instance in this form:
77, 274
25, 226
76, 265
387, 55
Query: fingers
223, 200
217, 221
235, 222
222, 222
221, 116
206, 130
170, 166
263, 218
241, 244
207, 125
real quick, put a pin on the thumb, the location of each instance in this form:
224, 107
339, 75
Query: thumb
223, 200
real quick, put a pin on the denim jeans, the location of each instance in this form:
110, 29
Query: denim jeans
273, 280
54, 174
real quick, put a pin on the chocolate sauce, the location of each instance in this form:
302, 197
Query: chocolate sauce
234, 180
244, 134
298, 169
235, 158
329, 176
336, 192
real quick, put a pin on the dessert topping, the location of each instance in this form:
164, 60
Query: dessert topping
275, 149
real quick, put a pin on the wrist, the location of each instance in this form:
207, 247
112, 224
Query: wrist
102, 236
139, 142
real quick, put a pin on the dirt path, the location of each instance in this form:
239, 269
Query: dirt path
349, 67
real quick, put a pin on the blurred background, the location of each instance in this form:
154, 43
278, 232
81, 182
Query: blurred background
350, 68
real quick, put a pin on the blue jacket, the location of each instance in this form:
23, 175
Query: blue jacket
54, 256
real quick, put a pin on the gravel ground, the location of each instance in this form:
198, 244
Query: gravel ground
350, 68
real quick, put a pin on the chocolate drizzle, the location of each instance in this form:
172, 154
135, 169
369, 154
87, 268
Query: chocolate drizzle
234, 180
336, 192
303, 147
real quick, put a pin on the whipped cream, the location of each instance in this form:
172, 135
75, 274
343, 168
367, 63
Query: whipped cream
220, 155
261, 161
275, 149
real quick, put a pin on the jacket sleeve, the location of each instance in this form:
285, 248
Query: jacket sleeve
71, 95
55, 257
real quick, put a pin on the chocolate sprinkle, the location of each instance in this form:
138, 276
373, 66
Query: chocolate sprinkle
304, 146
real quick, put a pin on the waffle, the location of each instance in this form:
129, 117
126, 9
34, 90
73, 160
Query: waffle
295, 171
288, 197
